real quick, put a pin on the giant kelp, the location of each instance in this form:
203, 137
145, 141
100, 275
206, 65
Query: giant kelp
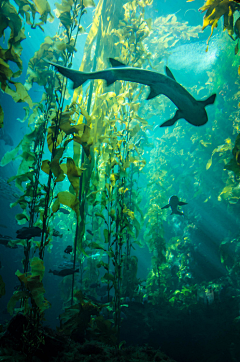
12, 18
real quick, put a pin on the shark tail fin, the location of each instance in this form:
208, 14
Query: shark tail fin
178, 212
209, 100
165, 207
171, 121
77, 77
115, 63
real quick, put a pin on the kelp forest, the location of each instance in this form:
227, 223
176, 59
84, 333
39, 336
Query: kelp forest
93, 172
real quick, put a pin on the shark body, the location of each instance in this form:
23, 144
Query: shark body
173, 203
189, 108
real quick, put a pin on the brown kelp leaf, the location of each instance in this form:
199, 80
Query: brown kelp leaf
21, 94
56, 205
44, 10
73, 174
51, 136
3, 24
85, 140
18, 295
1, 117
55, 165
66, 20
215, 10
5, 72
70, 200
37, 267
45, 167
65, 124
20, 179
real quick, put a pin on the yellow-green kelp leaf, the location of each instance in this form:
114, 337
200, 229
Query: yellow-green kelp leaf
88, 3
44, 10
73, 174
56, 205
18, 295
70, 200
9, 156
37, 267
34, 285
1, 117
45, 166
2, 287
209, 164
51, 136
20, 179
21, 94
21, 218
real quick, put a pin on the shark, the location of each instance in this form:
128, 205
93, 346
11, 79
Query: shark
173, 203
188, 108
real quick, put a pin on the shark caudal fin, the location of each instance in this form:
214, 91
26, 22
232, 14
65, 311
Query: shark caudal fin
208, 101
177, 212
77, 77
178, 115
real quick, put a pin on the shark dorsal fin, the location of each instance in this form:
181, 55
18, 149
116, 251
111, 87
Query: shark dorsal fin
115, 63
169, 73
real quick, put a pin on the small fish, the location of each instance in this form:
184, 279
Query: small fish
173, 203
90, 232
28, 233
64, 211
68, 249
57, 233
64, 272
3, 226
189, 108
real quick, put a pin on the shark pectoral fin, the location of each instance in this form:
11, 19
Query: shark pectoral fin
165, 207
181, 203
115, 63
171, 121
169, 73
110, 82
153, 93
208, 101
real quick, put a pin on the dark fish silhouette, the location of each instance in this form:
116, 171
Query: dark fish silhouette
64, 211
64, 272
7, 243
173, 203
57, 233
189, 108
90, 232
68, 249
28, 233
